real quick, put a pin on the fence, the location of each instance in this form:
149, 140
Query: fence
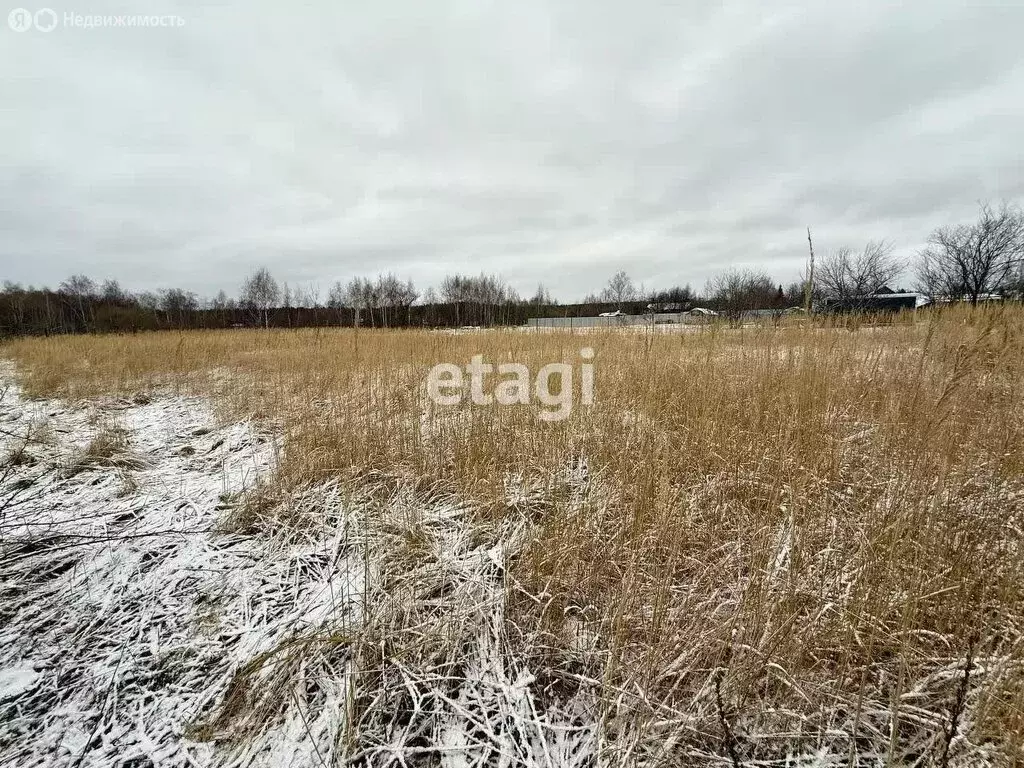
659, 318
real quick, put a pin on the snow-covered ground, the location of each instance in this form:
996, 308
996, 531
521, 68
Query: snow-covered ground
141, 624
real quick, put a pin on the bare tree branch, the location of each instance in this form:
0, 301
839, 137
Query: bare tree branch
849, 277
969, 261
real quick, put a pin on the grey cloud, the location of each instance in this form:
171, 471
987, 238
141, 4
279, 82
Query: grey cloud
553, 142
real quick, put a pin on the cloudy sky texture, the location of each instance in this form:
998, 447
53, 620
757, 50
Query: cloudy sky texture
552, 142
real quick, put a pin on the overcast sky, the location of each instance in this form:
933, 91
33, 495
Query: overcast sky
552, 142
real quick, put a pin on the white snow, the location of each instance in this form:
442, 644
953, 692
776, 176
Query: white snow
137, 628
17, 680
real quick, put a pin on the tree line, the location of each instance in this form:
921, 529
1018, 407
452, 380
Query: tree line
80, 304
974, 262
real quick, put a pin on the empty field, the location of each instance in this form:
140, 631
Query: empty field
794, 545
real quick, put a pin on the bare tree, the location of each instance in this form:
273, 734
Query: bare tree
478, 299
79, 291
1016, 283
177, 305
795, 293
16, 297
387, 294
672, 299
968, 261
407, 295
620, 289
112, 292
358, 295
260, 292
337, 296
221, 304
148, 300
453, 289
737, 292
542, 297
301, 298
78, 285
313, 296
849, 277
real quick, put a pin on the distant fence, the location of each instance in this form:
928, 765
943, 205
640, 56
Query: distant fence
659, 318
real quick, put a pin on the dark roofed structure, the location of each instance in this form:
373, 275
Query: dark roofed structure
883, 300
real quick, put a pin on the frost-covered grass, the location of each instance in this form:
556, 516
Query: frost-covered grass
182, 617
790, 546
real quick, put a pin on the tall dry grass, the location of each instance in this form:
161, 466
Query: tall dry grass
756, 543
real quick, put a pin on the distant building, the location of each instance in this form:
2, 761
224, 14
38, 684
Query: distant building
982, 298
884, 300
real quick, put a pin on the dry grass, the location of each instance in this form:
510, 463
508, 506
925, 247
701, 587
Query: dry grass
108, 448
756, 543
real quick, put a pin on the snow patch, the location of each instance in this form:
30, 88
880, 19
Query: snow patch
137, 628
